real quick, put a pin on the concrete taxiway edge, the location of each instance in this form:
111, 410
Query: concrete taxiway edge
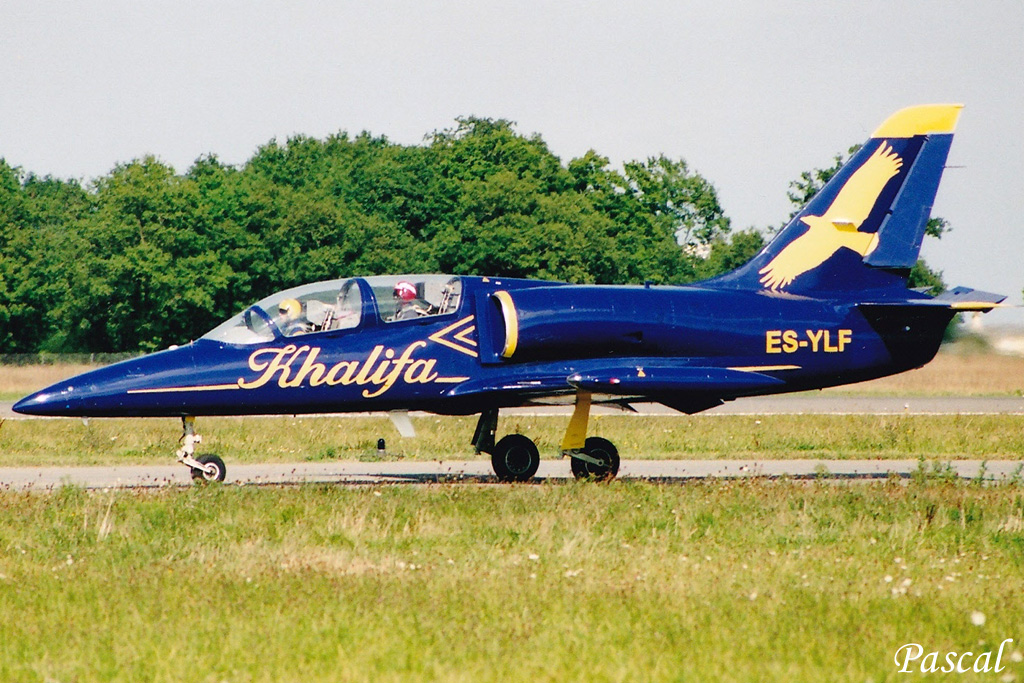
156, 476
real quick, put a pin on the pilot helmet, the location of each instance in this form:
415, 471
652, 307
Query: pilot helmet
406, 291
290, 308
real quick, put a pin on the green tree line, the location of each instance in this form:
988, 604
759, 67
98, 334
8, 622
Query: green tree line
144, 257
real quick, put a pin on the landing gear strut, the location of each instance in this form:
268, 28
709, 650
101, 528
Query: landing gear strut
594, 457
206, 467
515, 457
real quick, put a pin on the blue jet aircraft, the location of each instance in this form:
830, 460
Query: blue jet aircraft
824, 303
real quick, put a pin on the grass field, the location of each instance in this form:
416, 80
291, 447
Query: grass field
627, 581
66, 442
721, 581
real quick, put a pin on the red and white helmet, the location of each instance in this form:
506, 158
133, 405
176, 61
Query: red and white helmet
406, 291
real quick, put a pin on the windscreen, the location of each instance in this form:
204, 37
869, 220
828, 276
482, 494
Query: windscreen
408, 297
338, 305
318, 307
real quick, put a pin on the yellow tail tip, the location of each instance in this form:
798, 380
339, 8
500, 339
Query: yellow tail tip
920, 120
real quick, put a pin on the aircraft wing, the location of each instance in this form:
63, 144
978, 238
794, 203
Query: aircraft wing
667, 379
628, 379
539, 384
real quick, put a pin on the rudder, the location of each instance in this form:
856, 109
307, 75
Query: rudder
863, 229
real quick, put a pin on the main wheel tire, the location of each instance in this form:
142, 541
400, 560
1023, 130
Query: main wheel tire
515, 458
209, 459
603, 450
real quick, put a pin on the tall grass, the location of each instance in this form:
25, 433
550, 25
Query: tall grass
722, 581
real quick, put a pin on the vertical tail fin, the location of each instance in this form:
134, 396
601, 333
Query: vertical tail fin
863, 230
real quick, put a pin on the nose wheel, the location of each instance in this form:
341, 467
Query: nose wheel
206, 467
211, 468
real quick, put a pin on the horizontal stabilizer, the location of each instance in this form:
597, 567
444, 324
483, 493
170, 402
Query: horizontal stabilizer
966, 299
649, 380
957, 299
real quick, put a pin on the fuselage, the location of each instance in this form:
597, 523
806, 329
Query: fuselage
507, 342
824, 303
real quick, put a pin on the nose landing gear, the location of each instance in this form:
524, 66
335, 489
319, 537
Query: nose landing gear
207, 467
211, 468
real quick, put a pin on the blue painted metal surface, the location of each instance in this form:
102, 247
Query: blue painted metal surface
825, 303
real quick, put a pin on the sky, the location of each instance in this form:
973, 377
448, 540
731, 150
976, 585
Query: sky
749, 93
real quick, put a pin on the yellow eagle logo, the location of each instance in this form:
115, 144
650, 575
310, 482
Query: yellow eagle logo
838, 227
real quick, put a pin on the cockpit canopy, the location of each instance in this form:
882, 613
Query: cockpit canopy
341, 305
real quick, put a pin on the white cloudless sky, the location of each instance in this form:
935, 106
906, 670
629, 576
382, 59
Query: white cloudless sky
748, 93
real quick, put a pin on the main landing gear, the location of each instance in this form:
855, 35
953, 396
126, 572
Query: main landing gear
207, 467
515, 457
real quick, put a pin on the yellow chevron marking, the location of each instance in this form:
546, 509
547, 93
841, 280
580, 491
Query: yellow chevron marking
461, 336
440, 337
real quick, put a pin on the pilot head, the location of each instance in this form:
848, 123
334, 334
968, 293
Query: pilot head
405, 291
289, 309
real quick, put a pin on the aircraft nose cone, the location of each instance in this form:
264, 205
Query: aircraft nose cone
110, 391
49, 401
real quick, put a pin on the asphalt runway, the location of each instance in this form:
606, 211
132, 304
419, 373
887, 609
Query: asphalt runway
479, 471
